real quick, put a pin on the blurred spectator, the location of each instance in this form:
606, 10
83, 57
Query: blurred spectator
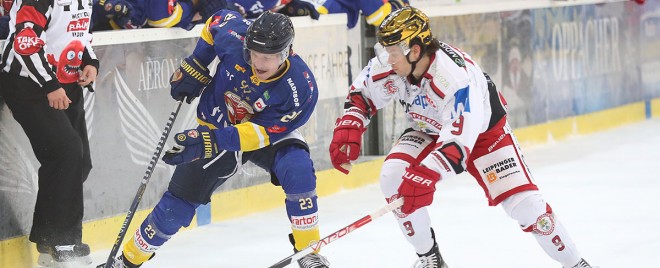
253, 8
373, 10
4, 18
132, 14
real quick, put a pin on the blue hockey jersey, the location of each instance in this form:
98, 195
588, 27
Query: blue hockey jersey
247, 113
374, 11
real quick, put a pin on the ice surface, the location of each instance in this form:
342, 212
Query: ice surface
604, 187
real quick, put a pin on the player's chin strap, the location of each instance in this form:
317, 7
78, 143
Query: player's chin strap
413, 80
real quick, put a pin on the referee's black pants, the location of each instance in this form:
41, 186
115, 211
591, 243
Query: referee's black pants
59, 141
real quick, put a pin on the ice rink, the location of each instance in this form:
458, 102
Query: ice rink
604, 187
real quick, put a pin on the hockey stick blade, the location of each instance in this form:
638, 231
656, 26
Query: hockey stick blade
142, 188
339, 234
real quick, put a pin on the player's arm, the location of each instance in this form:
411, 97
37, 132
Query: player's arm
281, 114
365, 97
170, 13
193, 75
29, 41
375, 11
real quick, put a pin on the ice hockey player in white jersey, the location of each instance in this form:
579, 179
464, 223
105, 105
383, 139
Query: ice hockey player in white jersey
457, 122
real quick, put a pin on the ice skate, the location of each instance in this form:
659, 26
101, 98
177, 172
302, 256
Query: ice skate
313, 260
431, 259
121, 262
64, 255
583, 264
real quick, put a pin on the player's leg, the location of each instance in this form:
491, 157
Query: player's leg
294, 170
58, 210
498, 165
76, 114
535, 216
190, 186
411, 148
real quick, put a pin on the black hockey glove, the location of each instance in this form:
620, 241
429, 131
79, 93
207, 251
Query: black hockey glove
191, 145
189, 80
300, 8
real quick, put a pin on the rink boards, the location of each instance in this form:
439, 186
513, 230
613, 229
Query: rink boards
565, 70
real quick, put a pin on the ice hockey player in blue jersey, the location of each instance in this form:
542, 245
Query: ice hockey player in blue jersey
374, 11
132, 14
292, 8
250, 110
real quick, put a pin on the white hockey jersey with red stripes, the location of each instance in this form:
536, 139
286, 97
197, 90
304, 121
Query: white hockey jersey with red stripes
454, 100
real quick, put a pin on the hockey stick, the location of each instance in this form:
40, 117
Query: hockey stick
339, 234
143, 186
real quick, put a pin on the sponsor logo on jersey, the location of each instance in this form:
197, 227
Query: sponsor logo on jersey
234, 34
276, 129
309, 80
447, 49
305, 222
259, 105
427, 120
296, 102
421, 100
239, 68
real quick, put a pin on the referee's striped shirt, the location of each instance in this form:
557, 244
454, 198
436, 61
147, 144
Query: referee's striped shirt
57, 23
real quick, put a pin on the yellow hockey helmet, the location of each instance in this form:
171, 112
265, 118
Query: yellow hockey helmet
404, 25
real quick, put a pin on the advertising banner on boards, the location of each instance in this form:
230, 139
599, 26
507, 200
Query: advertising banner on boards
127, 113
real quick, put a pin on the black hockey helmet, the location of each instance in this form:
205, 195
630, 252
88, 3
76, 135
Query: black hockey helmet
270, 33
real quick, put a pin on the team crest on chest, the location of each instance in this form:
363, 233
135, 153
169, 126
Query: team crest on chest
390, 88
238, 110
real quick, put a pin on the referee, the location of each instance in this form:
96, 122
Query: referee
46, 61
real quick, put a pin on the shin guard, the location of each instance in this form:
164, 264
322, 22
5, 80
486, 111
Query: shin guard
170, 214
535, 216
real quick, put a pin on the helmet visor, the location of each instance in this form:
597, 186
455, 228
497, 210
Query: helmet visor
391, 54
250, 55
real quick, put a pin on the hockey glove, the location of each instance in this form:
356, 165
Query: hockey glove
191, 145
300, 8
346, 141
189, 80
118, 11
417, 188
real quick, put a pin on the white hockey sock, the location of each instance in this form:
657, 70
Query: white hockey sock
416, 227
535, 215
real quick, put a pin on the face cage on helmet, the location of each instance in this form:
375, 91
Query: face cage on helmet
383, 56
